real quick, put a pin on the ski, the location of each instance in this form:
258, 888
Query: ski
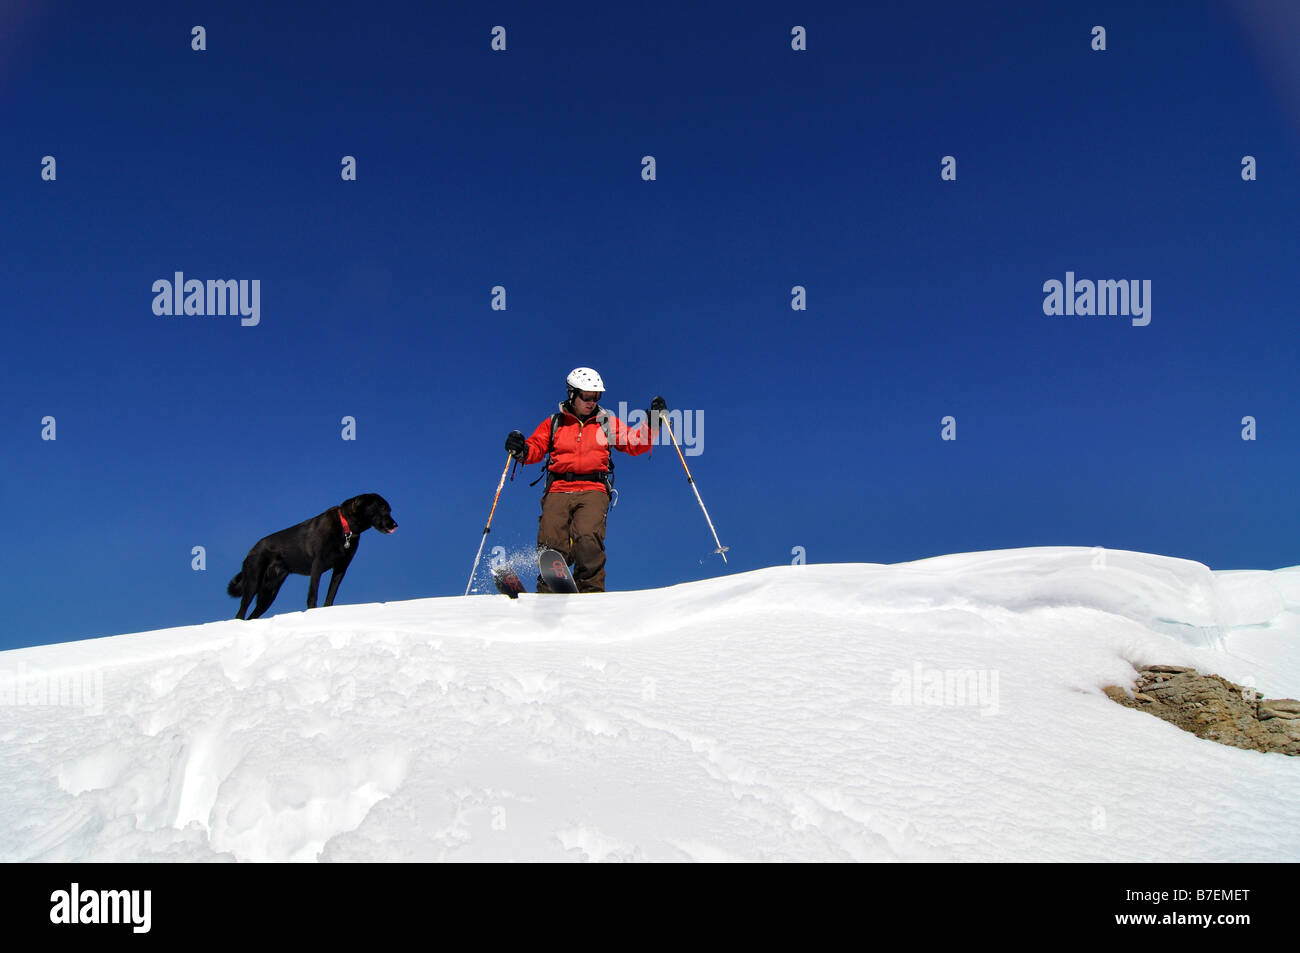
555, 571
507, 581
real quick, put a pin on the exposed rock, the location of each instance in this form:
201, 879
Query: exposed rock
1210, 706
1279, 708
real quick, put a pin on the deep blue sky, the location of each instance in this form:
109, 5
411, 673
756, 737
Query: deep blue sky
775, 168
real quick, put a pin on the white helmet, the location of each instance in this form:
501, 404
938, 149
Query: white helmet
584, 378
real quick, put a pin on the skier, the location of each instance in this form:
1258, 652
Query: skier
578, 474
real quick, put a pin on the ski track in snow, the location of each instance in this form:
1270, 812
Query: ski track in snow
751, 717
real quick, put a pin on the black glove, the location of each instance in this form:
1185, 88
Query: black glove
517, 446
657, 407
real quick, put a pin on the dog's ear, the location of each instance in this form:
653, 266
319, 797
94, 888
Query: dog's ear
370, 506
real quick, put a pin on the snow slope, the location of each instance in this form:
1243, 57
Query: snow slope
946, 709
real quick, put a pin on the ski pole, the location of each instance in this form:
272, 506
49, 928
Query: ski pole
721, 550
491, 513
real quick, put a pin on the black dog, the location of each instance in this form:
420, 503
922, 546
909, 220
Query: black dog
328, 541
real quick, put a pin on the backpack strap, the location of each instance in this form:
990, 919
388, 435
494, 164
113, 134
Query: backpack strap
605, 425
550, 450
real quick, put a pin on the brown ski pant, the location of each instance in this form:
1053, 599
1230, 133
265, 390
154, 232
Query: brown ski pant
573, 524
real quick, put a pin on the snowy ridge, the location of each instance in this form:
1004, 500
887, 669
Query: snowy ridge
947, 709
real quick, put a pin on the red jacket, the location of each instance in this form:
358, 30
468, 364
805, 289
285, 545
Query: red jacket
583, 448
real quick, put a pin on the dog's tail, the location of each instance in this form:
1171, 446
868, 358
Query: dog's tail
236, 587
